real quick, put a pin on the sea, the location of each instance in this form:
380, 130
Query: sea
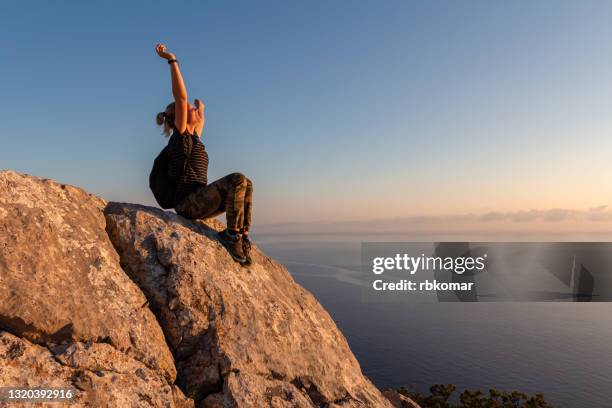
562, 350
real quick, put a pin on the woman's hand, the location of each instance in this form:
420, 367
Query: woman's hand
178, 89
200, 107
162, 52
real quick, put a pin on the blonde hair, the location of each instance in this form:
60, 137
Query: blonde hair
166, 119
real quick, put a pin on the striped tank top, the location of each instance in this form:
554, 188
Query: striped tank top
190, 170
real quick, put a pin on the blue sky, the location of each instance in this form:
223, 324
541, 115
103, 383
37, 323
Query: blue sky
337, 110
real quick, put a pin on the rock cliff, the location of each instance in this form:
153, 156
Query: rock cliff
133, 306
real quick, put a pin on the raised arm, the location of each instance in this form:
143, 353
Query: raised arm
178, 89
200, 105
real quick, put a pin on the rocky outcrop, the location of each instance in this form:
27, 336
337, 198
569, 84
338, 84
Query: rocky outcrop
65, 298
99, 374
399, 400
241, 336
133, 306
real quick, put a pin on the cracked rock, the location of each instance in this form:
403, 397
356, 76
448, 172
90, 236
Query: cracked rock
60, 278
241, 336
132, 306
100, 377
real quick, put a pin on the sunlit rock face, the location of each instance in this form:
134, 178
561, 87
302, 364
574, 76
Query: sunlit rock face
242, 336
132, 306
68, 312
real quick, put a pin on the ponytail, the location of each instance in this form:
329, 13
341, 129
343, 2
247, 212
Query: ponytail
166, 119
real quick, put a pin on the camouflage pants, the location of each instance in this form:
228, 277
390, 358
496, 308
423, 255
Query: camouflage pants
232, 194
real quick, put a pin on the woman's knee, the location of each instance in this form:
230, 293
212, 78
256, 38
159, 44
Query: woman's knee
238, 179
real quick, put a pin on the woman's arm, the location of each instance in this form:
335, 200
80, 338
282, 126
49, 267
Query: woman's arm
178, 89
200, 105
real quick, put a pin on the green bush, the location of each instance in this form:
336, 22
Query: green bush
441, 393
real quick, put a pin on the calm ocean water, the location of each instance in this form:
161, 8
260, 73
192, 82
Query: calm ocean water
563, 350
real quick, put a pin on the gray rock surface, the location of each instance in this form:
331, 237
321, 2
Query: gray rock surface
241, 336
97, 373
132, 306
398, 400
61, 285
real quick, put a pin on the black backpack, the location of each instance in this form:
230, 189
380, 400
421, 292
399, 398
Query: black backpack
161, 184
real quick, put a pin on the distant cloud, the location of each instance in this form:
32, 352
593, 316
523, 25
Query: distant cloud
595, 218
600, 213
551, 215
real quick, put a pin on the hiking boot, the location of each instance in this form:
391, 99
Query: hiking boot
233, 245
246, 249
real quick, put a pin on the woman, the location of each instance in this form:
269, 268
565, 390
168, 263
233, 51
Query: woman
194, 197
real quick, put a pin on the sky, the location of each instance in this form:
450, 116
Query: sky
338, 111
